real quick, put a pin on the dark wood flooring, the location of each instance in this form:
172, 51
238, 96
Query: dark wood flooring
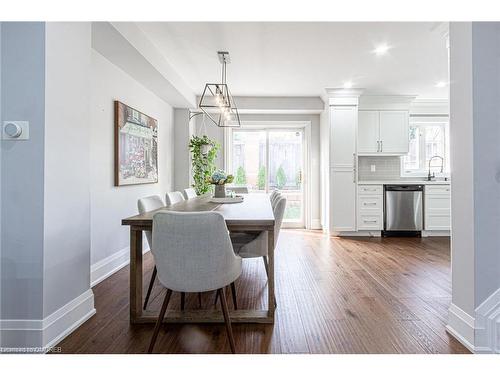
334, 295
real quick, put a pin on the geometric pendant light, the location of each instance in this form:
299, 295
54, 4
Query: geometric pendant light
216, 96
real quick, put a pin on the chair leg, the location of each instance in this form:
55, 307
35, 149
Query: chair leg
160, 320
264, 258
150, 288
216, 298
227, 319
199, 300
183, 300
233, 294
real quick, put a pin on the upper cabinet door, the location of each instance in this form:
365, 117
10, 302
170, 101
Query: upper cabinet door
343, 135
368, 132
394, 136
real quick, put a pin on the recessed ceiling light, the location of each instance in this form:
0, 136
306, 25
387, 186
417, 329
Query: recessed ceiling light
348, 85
381, 49
440, 84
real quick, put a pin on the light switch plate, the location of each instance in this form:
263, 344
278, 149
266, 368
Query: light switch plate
24, 126
373, 168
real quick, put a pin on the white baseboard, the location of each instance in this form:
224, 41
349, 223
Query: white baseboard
488, 325
461, 326
316, 224
360, 233
436, 233
46, 333
106, 267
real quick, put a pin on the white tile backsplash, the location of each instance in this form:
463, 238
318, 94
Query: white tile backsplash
386, 168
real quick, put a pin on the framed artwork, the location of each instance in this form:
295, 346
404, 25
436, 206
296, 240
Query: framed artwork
136, 147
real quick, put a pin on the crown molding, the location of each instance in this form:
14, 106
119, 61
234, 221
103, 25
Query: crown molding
343, 93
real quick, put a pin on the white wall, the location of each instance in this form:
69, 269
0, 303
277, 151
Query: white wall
475, 172
324, 120
110, 204
66, 188
182, 161
486, 91
22, 170
462, 175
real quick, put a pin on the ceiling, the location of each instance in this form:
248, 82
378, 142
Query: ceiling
302, 59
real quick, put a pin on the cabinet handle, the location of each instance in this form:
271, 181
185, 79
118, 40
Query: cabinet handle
369, 221
378, 146
381, 146
369, 203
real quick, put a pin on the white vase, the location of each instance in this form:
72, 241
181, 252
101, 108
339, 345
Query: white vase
220, 191
205, 149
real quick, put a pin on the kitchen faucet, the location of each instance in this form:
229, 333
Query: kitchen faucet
429, 176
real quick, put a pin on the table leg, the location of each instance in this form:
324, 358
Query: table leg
270, 254
135, 274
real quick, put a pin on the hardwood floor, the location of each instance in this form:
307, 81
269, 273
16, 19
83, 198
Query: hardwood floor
334, 295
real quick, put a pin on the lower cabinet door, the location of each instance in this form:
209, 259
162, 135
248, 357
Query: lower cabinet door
437, 207
342, 201
437, 221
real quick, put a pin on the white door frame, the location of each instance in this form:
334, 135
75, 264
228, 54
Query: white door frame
276, 125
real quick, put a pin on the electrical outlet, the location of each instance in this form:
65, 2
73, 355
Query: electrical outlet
373, 168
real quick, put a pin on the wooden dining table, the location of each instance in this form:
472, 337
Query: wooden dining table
254, 214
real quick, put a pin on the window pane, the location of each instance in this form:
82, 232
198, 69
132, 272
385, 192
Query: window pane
412, 160
285, 164
249, 159
434, 145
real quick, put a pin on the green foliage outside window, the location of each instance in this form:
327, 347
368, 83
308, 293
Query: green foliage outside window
261, 178
280, 178
241, 177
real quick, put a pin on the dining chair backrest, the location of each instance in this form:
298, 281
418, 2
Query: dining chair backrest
193, 251
189, 193
275, 199
239, 189
273, 194
279, 213
174, 197
147, 204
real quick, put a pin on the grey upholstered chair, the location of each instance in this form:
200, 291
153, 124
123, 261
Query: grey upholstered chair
146, 204
253, 246
193, 253
239, 189
273, 194
173, 197
189, 193
274, 197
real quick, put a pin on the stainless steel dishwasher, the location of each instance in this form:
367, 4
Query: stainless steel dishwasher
403, 209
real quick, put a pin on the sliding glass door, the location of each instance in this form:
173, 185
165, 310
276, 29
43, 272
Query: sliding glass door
266, 159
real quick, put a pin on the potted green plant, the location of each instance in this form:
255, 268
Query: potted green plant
219, 179
203, 154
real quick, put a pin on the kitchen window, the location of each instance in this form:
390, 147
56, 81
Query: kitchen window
428, 137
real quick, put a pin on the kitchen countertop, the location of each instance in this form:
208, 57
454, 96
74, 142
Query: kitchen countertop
404, 182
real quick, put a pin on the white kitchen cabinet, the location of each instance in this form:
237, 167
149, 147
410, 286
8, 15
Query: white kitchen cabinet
370, 207
343, 136
343, 122
368, 132
343, 200
383, 132
437, 207
394, 132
